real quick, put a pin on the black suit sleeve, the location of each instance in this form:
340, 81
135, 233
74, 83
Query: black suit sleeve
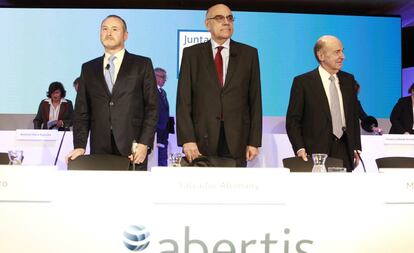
81, 121
356, 133
185, 128
294, 116
68, 116
37, 121
151, 106
255, 104
361, 113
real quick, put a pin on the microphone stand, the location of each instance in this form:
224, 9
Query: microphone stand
133, 151
60, 146
362, 162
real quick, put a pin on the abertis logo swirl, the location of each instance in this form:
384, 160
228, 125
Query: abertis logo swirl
136, 238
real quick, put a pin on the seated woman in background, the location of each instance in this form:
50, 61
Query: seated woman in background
402, 115
55, 112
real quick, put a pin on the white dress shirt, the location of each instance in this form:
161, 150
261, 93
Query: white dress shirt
117, 62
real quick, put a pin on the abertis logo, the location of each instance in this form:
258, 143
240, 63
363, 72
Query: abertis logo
136, 237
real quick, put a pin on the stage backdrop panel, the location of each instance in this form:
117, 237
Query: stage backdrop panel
284, 41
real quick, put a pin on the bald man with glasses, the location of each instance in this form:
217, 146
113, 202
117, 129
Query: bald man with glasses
219, 104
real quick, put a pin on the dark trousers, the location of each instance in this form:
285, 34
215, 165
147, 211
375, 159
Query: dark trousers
339, 149
115, 151
223, 149
163, 155
162, 138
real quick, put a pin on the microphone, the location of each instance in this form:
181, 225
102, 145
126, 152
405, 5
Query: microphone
60, 146
134, 147
362, 162
107, 67
346, 143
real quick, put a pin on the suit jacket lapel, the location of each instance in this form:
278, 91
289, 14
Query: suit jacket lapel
320, 93
208, 58
233, 61
100, 74
122, 74
345, 94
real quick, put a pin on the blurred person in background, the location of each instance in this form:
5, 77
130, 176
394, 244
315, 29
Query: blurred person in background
163, 128
76, 84
402, 115
55, 112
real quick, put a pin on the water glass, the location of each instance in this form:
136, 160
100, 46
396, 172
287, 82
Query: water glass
15, 157
319, 162
174, 159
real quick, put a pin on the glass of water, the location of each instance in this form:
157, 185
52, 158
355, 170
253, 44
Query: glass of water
15, 157
319, 162
174, 159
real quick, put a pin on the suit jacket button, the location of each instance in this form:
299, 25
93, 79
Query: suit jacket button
111, 103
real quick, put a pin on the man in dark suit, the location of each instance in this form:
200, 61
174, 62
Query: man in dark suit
163, 117
402, 115
117, 100
322, 116
219, 105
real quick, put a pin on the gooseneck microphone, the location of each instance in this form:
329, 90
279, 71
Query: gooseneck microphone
107, 67
362, 162
357, 153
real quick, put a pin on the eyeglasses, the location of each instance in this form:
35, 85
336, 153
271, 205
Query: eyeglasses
221, 19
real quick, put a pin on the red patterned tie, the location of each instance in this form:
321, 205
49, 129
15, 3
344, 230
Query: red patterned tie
219, 64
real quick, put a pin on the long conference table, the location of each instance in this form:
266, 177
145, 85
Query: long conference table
41, 147
204, 210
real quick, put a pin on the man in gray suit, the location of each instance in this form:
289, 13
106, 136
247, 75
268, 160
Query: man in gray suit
322, 116
219, 105
117, 101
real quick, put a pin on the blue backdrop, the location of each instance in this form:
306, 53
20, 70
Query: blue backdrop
40, 46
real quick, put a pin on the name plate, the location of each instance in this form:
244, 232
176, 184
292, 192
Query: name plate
36, 135
398, 139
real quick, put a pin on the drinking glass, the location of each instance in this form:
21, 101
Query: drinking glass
15, 157
319, 162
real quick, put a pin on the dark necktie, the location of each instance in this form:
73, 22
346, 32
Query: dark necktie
218, 59
163, 96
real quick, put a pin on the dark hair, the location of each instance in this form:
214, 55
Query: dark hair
158, 69
356, 86
77, 81
56, 86
410, 90
118, 17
